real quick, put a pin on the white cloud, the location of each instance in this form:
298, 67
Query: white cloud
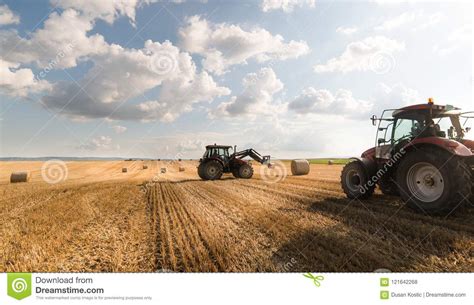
123, 74
16, 81
417, 19
343, 103
106, 10
430, 21
118, 74
394, 96
285, 5
458, 38
188, 145
7, 16
322, 101
119, 129
99, 143
223, 45
346, 30
63, 37
256, 97
363, 55
397, 21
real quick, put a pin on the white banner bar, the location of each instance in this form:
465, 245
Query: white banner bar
237, 288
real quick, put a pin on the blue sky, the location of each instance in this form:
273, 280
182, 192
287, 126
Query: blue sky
162, 79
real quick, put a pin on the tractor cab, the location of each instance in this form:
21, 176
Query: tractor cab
217, 151
398, 127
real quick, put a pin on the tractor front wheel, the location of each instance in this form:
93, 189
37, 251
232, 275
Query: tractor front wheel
235, 172
245, 171
355, 181
211, 170
434, 182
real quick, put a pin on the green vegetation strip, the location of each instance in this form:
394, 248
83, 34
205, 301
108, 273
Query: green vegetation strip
326, 160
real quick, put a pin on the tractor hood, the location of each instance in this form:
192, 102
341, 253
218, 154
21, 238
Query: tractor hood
454, 147
464, 148
469, 144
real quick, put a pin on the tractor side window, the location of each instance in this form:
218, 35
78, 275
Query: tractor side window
404, 129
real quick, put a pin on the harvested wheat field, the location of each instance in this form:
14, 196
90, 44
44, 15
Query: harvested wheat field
100, 219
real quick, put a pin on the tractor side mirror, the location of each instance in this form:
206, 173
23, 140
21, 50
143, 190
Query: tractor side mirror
381, 141
374, 120
468, 129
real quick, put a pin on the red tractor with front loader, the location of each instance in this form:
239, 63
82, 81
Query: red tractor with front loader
421, 155
218, 160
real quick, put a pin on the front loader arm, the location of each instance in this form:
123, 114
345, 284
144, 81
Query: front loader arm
252, 153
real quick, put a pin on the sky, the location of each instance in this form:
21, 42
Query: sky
162, 79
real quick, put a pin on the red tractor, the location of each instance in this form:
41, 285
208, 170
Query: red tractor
218, 160
421, 155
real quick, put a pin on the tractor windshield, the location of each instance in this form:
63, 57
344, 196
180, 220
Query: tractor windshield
445, 127
216, 152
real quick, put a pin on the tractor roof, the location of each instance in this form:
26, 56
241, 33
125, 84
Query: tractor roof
421, 110
218, 146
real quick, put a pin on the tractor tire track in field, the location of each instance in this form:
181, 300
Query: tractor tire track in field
236, 225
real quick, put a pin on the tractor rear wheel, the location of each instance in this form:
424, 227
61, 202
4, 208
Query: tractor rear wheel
434, 181
245, 171
201, 171
355, 181
212, 170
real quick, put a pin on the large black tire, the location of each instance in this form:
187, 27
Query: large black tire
434, 181
355, 181
235, 172
245, 171
388, 186
201, 171
212, 170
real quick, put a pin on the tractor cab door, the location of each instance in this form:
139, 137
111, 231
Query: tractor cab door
404, 131
224, 153
384, 145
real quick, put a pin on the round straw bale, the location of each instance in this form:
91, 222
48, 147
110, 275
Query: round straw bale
330, 162
19, 177
124, 170
299, 167
163, 170
182, 169
145, 166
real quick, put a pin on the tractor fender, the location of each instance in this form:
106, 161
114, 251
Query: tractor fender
369, 165
215, 159
451, 146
